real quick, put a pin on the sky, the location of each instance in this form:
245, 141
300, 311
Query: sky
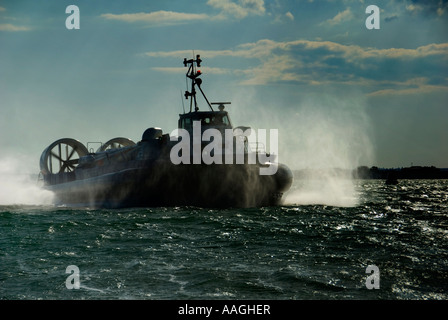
340, 94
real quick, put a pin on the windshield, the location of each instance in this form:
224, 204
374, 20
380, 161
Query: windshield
207, 119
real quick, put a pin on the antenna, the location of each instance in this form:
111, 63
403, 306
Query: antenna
183, 105
195, 81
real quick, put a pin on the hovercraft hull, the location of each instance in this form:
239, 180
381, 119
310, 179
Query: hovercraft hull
164, 184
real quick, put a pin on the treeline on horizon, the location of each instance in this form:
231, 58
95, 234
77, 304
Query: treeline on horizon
364, 172
414, 172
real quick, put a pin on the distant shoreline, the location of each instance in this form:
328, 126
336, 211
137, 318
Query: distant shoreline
414, 172
364, 172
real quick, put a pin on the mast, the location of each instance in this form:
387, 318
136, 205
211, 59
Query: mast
194, 74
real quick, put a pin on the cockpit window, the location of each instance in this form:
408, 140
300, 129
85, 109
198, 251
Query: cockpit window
206, 120
186, 123
225, 120
216, 120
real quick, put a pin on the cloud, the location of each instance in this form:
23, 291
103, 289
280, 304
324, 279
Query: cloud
418, 85
283, 17
289, 15
378, 71
157, 17
13, 28
420, 52
342, 16
239, 9
391, 18
180, 54
414, 8
426, 7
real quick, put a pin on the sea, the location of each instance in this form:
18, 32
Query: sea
391, 243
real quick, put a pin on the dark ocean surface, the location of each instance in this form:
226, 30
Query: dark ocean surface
295, 251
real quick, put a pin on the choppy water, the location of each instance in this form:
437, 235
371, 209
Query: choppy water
288, 252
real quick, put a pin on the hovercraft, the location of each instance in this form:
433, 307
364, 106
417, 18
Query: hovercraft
164, 170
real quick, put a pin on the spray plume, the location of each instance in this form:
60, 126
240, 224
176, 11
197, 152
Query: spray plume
18, 186
322, 139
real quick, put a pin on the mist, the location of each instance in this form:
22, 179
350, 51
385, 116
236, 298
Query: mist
18, 186
322, 138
